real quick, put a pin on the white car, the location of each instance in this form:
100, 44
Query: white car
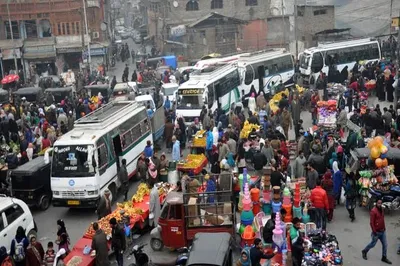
14, 213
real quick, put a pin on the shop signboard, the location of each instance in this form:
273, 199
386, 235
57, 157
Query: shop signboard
7, 54
178, 31
95, 52
43, 51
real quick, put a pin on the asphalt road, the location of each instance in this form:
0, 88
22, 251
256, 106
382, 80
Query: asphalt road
352, 236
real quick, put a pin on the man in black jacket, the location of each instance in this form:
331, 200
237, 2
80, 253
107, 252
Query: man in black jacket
256, 253
118, 243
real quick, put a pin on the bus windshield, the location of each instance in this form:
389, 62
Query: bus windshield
72, 161
190, 101
304, 60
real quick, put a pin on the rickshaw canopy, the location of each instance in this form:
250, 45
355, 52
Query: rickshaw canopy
30, 168
28, 91
60, 89
209, 249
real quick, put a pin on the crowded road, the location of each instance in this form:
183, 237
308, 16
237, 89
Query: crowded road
352, 237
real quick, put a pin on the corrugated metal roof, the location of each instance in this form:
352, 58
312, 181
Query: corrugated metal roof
315, 2
9, 44
214, 14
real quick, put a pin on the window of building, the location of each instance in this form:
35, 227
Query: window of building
78, 27
15, 30
31, 29
192, 5
320, 12
251, 3
300, 13
68, 29
217, 4
59, 29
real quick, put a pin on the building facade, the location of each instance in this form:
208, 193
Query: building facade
51, 35
165, 17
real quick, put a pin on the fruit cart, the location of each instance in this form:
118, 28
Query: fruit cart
194, 163
198, 145
133, 214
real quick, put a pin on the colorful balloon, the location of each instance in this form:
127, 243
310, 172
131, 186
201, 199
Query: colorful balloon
375, 153
380, 140
385, 162
378, 162
383, 155
383, 149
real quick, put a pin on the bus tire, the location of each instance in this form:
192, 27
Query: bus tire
113, 191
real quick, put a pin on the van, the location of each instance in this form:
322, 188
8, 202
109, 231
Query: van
14, 213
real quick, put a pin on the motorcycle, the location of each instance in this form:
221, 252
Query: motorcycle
142, 259
390, 199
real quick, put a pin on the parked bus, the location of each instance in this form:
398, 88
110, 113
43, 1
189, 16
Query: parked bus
86, 160
341, 54
261, 69
212, 86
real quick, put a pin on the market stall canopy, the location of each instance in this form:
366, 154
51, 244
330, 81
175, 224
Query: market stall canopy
9, 79
10, 44
28, 91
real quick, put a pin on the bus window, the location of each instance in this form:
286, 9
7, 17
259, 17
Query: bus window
249, 77
317, 62
102, 158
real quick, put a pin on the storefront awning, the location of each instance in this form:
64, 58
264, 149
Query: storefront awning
9, 44
39, 48
68, 48
70, 44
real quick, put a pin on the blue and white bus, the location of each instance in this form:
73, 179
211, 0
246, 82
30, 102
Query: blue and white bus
261, 69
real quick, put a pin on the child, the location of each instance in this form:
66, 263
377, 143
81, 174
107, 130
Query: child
244, 259
50, 255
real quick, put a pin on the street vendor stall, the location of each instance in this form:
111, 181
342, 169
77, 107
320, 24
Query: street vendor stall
198, 145
133, 214
327, 114
194, 164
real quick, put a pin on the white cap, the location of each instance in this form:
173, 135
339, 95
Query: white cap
23, 98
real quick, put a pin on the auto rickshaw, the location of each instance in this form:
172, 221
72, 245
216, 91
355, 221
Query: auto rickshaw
123, 92
59, 94
32, 94
4, 96
213, 249
30, 182
183, 215
51, 81
104, 89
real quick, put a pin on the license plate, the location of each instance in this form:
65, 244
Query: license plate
73, 202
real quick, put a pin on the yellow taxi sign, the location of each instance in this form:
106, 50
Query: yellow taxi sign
396, 22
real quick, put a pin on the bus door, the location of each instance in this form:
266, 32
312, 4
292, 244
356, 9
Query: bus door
261, 75
117, 149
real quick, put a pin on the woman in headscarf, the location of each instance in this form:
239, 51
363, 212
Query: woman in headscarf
327, 184
351, 195
152, 174
215, 136
337, 181
62, 236
34, 252
244, 259
20, 238
3, 254
215, 169
252, 103
60, 256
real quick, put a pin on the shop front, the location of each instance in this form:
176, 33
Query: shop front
99, 58
69, 53
40, 57
9, 51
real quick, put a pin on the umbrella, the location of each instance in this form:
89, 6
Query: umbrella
9, 79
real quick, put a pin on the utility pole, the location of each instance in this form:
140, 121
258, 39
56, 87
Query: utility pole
87, 33
284, 25
12, 37
295, 28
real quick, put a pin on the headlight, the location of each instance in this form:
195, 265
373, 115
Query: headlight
56, 193
93, 192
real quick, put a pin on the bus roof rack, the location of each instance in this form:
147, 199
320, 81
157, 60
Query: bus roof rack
344, 42
106, 114
213, 69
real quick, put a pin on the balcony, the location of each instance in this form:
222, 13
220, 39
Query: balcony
19, 8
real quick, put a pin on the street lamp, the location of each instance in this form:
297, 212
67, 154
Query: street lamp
12, 36
87, 33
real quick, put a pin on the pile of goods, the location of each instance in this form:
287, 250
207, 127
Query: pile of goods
327, 113
75, 261
247, 129
370, 85
322, 249
335, 89
143, 190
200, 139
300, 90
274, 102
193, 162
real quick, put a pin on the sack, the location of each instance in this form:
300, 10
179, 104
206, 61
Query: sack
7, 262
19, 254
342, 197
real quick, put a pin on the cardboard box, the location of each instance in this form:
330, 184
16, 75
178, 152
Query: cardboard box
214, 219
192, 210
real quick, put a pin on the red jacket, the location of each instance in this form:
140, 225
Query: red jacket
319, 198
377, 220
